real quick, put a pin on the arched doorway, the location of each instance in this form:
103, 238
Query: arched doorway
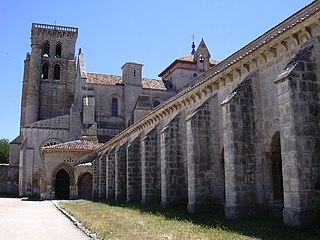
277, 179
85, 186
62, 185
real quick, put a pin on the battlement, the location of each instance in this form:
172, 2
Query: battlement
54, 27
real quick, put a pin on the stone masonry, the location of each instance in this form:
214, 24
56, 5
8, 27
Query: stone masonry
244, 135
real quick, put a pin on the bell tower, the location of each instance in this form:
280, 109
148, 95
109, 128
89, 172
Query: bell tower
49, 71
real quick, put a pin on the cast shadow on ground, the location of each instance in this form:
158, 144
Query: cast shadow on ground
257, 227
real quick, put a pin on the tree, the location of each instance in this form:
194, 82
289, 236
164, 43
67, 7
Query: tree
4, 150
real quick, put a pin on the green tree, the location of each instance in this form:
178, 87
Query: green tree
4, 150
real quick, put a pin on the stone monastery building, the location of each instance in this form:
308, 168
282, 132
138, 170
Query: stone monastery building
242, 134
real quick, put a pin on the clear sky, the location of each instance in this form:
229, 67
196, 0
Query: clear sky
114, 32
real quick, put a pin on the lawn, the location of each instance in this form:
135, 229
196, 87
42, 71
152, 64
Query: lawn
111, 220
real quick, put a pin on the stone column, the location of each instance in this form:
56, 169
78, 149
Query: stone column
298, 98
95, 187
134, 171
120, 173
205, 170
150, 161
239, 149
102, 177
110, 176
173, 164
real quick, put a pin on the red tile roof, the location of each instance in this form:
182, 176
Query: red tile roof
104, 79
81, 145
107, 79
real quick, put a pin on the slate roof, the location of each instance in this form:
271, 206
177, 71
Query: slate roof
82, 145
108, 79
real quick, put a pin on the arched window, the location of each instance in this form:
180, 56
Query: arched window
114, 107
46, 49
45, 71
58, 50
156, 103
56, 72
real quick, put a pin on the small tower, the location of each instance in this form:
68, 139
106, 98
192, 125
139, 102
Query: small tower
132, 73
202, 57
48, 82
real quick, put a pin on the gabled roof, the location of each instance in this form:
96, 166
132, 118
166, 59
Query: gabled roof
77, 145
186, 59
108, 79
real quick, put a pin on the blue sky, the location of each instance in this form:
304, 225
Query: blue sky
114, 32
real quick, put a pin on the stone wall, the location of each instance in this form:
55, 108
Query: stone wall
257, 152
173, 163
299, 100
205, 168
9, 178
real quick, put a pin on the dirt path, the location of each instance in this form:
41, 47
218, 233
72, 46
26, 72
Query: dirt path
35, 220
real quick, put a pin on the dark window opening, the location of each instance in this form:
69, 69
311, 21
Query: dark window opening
58, 50
114, 107
45, 71
56, 72
134, 73
277, 167
46, 49
156, 103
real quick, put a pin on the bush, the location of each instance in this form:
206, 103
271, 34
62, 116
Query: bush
4, 150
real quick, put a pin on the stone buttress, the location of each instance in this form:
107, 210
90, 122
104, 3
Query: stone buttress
173, 163
239, 149
150, 171
121, 173
298, 97
205, 169
134, 170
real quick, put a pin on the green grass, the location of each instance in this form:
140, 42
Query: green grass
111, 220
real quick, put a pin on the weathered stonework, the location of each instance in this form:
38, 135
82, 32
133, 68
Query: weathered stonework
298, 96
205, 168
242, 134
239, 141
110, 175
173, 164
102, 178
134, 171
150, 167
9, 176
121, 173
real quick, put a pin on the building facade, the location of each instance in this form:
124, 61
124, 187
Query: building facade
66, 112
243, 135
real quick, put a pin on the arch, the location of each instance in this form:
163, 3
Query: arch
276, 162
156, 102
49, 142
85, 186
62, 184
115, 106
56, 72
58, 50
45, 71
46, 49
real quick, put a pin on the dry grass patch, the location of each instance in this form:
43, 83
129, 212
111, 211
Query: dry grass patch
111, 220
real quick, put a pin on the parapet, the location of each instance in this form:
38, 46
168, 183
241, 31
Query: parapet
39, 29
54, 27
